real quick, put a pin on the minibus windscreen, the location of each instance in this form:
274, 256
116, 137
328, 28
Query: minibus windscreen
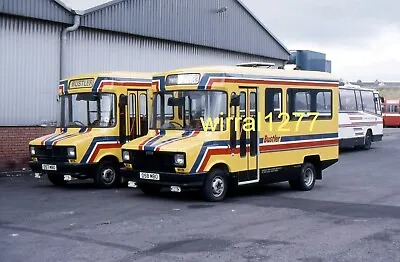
186, 110
88, 110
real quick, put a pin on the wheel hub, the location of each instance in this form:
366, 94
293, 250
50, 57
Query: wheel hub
218, 186
108, 175
308, 177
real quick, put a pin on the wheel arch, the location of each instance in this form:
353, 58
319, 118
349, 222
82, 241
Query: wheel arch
316, 161
222, 166
110, 158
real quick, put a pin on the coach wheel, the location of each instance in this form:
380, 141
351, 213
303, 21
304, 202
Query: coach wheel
215, 186
306, 179
57, 180
107, 175
367, 141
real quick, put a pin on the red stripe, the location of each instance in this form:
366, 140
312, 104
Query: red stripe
147, 140
356, 118
157, 83
73, 135
226, 151
361, 124
216, 152
102, 146
260, 82
276, 147
193, 135
46, 137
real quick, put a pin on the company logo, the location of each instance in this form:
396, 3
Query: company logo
81, 83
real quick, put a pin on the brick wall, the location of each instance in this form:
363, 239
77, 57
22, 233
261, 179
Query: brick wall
14, 151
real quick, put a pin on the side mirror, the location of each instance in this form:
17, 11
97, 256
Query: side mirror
235, 100
123, 100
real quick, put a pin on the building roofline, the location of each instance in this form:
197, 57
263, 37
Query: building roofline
113, 2
67, 8
102, 6
263, 26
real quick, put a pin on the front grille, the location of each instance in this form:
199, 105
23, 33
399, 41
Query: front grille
56, 153
153, 161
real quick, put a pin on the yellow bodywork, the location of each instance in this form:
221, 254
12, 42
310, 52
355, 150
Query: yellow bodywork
94, 143
278, 148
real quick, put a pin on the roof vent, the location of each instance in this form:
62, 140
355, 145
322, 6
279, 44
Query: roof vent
256, 64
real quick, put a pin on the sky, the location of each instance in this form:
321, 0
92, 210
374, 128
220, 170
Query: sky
361, 37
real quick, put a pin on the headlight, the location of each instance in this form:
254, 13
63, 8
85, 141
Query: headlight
32, 150
126, 156
71, 152
180, 160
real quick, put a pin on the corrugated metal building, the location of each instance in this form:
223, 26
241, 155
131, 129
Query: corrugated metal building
133, 35
128, 35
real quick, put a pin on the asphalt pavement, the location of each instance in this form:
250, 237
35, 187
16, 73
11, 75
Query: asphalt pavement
353, 214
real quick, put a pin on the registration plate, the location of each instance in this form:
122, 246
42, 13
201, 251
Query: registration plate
49, 167
149, 176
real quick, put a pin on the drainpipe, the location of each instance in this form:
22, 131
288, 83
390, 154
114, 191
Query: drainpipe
74, 27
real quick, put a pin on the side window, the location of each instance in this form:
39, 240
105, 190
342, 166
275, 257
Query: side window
368, 101
132, 116
347, 100
359, 101
168, 110
324, 103
143, 115
378, 106
309, 101
242, 106
273, 102
302, 102
253, 105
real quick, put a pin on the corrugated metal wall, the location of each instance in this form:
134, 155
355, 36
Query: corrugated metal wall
29, 53
42, 9
91, 50
189, 21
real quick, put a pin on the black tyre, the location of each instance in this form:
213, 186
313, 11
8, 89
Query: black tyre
107, 175
57, 180
367, 140
306, 179
215, 186
150, 189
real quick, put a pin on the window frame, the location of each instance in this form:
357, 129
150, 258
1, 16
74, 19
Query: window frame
290, 103
266, 108
355, 100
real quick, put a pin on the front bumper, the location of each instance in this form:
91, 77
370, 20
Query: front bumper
77, 170
166, 179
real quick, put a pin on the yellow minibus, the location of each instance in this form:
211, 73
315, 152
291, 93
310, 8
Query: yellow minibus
215, 128
99, 113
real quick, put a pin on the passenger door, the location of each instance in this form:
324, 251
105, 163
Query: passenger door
138, 114
249, 141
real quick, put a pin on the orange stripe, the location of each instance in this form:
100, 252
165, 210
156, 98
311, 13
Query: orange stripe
158, 148
147, 140
102, 146
299, 145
